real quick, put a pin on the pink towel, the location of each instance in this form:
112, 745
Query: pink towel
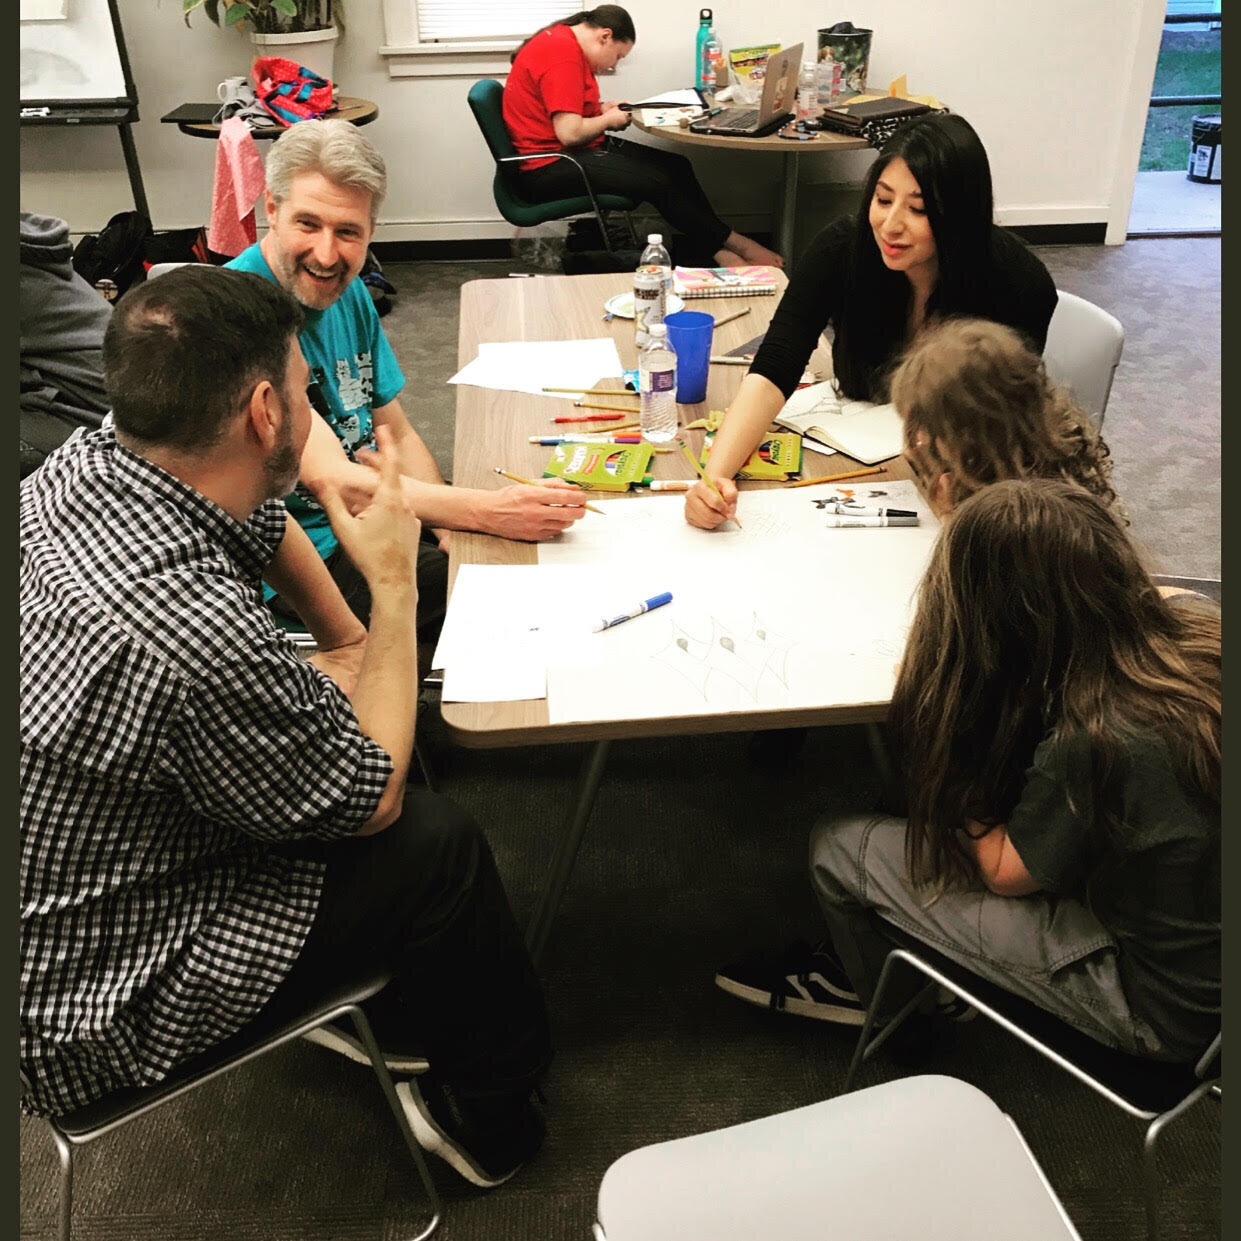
239, 183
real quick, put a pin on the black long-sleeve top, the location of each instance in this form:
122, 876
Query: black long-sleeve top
1017, 292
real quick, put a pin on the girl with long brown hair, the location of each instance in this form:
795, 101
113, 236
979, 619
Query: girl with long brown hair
1057, 718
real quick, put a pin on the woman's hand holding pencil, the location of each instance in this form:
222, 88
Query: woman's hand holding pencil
712, 501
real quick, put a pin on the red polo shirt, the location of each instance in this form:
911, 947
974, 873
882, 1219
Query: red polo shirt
549, 75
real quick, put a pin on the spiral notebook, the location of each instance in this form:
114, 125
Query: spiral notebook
723, 281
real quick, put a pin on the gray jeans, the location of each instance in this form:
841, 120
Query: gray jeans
1051, 950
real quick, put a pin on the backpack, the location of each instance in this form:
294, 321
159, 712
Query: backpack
113, 260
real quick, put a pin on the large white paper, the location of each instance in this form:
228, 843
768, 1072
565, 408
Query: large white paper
531, 366
784, 612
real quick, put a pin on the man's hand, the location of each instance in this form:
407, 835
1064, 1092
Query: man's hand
382, 539
341, 663
533, 513
703, 508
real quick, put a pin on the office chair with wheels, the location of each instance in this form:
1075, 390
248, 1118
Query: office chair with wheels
484, 100
77, 1128
1154, 1091
1083, 349
960, 1166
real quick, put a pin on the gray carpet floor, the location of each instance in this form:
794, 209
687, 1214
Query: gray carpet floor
696, 854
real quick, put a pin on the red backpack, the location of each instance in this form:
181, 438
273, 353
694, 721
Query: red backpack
289, 91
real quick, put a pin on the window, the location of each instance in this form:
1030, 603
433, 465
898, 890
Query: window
449, 38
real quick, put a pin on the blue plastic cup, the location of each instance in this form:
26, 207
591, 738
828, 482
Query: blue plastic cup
689, 333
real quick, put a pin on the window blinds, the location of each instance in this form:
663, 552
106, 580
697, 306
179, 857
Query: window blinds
442, 20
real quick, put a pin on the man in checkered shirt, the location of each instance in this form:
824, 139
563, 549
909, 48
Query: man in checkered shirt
211, 826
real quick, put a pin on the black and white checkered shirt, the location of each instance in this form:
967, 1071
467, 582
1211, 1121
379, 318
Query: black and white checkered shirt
170, 737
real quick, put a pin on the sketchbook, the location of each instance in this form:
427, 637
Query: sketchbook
859, 429
723, 281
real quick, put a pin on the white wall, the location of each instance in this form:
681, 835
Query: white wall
1048, 86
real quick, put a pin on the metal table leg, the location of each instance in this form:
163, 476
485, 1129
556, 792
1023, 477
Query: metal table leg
566, 854
788, 206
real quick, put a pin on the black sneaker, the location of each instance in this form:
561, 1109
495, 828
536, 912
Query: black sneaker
485, 1142
341, 1037
803, 980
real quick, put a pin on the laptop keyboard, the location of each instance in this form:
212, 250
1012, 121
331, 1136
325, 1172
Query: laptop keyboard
740, 120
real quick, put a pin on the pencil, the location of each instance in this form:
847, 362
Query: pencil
689, 456
517, 478
726, 360
596, 391
625, 409
833, 478
588, 417
736, 314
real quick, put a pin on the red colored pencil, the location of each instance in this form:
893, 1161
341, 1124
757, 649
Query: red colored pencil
592, 417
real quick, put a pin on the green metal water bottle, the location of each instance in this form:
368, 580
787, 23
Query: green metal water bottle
705, 36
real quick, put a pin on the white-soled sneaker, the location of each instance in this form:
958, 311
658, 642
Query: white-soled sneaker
802, 980
342, 1038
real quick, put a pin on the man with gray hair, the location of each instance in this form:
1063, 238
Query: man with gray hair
325, 185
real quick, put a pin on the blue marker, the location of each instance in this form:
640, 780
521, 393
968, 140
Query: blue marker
656, 601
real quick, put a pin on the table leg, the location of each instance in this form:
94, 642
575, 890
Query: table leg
788, 207
566, 853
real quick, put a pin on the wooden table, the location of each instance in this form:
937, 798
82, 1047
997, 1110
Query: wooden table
821, 143
358, 111
492, 429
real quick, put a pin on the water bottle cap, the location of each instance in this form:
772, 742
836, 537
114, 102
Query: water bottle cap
654, 239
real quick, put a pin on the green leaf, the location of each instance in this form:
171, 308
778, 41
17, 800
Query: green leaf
287, 7
236, 13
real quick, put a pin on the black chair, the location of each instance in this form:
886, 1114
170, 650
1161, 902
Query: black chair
75, 1129
1154, 1091
484, 100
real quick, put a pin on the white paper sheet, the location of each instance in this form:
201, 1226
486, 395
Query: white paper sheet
531, 366
861, 429
785, 612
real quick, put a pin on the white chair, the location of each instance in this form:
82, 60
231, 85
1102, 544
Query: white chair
929, 1157
1083, 349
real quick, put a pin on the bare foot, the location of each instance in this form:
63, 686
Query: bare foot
750, 251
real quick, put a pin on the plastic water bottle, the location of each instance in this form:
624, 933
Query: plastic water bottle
807, 92
656, 255
648, 301
657, 370
713, 65
829, 74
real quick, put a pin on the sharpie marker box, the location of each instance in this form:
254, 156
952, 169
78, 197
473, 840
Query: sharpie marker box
777, 457
603, 467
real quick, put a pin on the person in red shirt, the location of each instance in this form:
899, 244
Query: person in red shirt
551, 103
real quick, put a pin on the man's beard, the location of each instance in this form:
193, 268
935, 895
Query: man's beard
284, 465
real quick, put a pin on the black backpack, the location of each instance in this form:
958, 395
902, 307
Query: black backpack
112, 260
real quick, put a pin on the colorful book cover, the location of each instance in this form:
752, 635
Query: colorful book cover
723, 281
778, 457
601, 467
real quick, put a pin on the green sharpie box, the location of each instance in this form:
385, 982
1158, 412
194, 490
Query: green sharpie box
601, 467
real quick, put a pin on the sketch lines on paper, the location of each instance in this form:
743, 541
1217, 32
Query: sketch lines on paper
719, 660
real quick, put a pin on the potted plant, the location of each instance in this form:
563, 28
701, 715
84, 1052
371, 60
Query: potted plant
304, 31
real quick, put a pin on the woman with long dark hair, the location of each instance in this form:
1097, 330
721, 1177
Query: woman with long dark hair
922, 246
977, 407
1057, 719
551, 103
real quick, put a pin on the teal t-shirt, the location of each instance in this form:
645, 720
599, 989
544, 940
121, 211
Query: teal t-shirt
353, 368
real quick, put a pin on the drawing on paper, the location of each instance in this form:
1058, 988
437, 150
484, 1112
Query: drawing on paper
721, 660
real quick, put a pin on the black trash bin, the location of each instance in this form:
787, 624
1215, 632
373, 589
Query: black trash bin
1206, 149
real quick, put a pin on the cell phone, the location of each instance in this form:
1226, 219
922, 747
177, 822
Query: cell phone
795, 136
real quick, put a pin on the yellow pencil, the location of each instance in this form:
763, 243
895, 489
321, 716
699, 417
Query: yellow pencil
689, 456
627, 409
834, 478
517, 478
736, 314
595, 391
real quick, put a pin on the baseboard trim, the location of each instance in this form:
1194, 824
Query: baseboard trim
1061, 234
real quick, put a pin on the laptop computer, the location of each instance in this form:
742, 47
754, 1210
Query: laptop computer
774, 108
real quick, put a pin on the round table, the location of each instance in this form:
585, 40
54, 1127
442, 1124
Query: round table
358, 111
821, 142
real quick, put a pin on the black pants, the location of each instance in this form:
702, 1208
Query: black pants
424, 898
664, 180
432, 574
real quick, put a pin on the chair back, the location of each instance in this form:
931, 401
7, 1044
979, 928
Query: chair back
484, 100
1083, 348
